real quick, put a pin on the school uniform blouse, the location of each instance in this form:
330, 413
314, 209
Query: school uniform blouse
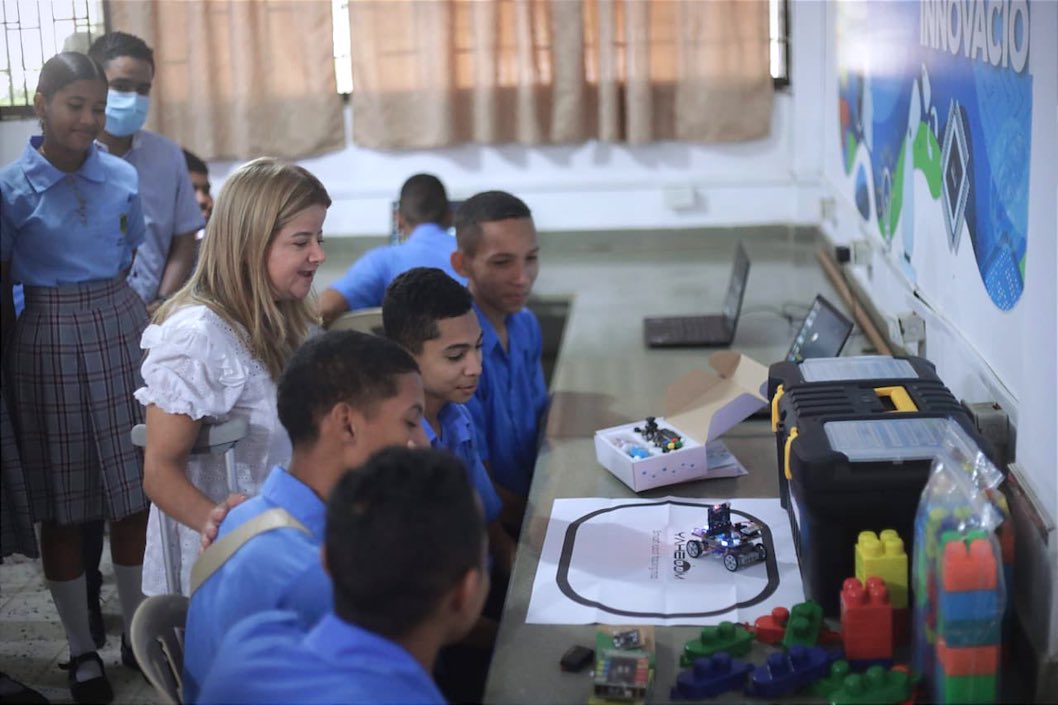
198, 365
63, 228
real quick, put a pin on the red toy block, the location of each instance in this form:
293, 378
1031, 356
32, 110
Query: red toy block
901, 626
771, 627
866, 620
968, 567
967, 660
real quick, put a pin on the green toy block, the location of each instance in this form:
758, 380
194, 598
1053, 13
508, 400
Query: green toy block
726, 636
878, 685
978, 690
802, 629
825, 687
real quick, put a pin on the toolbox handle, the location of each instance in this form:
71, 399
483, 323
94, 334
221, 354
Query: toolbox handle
779, 391
898, 397
786, 452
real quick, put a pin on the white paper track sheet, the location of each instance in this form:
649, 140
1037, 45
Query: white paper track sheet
624, 561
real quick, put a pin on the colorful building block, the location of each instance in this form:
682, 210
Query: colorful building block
710, 676
785, 672
883, 555
967, 563
832, 682
969, 605
967, 660
966, 690
726, 636
770, 628
806, 619
866, 620
879, 686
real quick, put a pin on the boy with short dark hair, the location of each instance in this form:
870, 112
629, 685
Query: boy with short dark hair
430, 315
423, 217
394, 607
498, 252
343, 396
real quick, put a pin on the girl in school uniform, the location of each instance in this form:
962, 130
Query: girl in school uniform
71, 222
218, 347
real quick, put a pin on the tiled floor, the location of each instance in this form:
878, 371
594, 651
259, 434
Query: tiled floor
32, 642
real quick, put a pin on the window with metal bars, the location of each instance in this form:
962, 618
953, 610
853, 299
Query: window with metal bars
33, 31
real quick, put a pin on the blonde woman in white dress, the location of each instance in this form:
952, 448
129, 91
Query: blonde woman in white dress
219, 344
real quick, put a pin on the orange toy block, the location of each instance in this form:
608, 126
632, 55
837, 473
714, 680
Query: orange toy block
967, 660
968, 567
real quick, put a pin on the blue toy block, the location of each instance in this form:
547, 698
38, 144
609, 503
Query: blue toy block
710, 676
971, 605
786, 672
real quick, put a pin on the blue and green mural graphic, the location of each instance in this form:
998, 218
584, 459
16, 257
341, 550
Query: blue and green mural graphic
941, 87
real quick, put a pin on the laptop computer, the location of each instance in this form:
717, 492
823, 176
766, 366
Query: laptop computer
703, 330
823, 332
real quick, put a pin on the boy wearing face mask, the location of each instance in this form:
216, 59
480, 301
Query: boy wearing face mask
165, 258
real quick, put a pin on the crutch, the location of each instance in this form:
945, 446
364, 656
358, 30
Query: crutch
213, 438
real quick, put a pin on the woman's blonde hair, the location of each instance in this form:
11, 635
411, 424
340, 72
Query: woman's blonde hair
231, 276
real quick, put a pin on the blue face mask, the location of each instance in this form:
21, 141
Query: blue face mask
126, 112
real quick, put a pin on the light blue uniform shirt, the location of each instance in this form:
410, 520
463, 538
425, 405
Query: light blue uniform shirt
58, 229
364, 284
510, 400
457, 437
279, 569
269, 659
169, 206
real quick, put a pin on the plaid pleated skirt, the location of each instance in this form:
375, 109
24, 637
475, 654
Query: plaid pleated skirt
73, 366
16, 521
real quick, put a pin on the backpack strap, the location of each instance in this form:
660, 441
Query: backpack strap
218, 553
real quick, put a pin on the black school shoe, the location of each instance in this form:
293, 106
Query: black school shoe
93, 690
13, 692
128, 659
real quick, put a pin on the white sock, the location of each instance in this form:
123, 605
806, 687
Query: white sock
71, 602
130, 590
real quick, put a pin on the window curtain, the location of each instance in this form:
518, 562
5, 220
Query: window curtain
237, 79
429, 73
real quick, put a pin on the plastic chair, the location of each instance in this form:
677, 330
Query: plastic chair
157, 635
214, 438
365, 320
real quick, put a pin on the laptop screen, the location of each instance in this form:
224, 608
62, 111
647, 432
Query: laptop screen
823, 333
736, 288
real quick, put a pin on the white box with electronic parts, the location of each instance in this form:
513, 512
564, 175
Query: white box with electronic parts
700, 406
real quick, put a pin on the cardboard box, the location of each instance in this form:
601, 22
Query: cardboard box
700, 406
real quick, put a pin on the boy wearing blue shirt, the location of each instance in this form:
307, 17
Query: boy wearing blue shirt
430, 315
423, 212
343, 396
497, 251
393, 607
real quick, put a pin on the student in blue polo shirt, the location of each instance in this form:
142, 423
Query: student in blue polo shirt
431, 316
70, 223
166, 256
343, 396
499, 254
424, 213
405, 550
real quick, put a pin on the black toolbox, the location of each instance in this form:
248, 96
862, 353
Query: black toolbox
854, 455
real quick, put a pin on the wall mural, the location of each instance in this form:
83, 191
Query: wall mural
940, 87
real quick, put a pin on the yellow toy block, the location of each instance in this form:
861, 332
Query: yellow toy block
883, 556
